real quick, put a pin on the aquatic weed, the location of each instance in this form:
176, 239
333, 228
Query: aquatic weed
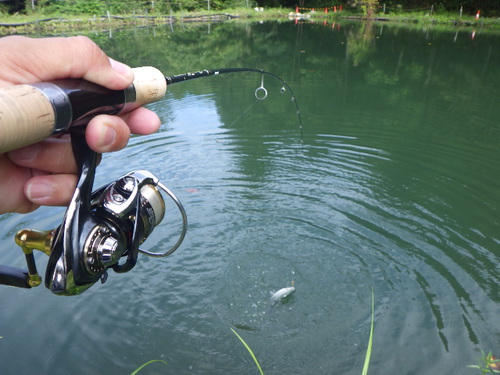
488, 364
370, 340
145, 364
250, 351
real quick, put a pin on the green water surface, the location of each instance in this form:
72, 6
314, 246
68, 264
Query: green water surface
394, 185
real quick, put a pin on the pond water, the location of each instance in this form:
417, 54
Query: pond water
393, 186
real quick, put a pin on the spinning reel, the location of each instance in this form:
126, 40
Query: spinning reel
101, 230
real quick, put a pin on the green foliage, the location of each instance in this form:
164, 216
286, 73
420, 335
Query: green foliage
100, 7
367, 6
69, 7
488, 364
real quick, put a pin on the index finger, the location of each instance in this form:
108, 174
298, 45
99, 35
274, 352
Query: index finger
28, 60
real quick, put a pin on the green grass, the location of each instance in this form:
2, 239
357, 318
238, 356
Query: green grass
425, 18
250, 351
370, 340
145, 364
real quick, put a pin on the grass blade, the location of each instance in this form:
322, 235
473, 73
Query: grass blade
370, 341
147, 363
249, 350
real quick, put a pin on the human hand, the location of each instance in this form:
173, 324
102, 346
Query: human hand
45, 173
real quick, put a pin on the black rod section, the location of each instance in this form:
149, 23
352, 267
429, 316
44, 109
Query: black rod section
14, 277
206, 73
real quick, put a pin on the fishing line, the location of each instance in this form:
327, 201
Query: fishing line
242, 114
260, 92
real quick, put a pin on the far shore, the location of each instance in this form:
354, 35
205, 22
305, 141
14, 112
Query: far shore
55, 24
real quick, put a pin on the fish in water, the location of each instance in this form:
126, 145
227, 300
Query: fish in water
282, 293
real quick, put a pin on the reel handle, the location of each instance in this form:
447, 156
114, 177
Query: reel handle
31, 113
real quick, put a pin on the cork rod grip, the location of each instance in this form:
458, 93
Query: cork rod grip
26, 117
29, 114
150, 85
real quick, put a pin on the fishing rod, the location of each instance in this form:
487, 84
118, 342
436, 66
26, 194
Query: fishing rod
104, 229
32, 113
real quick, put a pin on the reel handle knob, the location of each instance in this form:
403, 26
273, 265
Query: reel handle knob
31, 113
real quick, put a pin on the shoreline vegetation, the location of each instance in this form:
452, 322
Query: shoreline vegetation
58, 23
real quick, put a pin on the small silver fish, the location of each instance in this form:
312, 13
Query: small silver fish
282, 293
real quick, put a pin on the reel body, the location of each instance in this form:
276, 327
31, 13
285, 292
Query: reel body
122, 215
100, 229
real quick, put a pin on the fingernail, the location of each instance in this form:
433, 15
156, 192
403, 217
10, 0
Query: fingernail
107, 137
121, 68
38, 190
27, 153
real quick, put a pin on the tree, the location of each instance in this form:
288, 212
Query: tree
368, 6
